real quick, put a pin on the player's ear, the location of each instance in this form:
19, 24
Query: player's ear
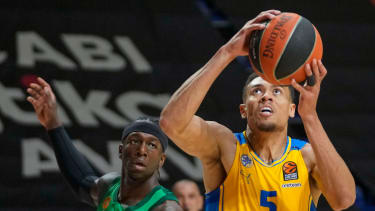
292, 110
243, 111
120, 150
162, 159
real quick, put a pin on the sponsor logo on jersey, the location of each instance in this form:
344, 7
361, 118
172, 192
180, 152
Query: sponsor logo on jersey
246, 161
246, 176
290, 171
291, 185
106, 202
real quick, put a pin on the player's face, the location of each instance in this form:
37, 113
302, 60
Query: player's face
141, 154
267, 106
188, 196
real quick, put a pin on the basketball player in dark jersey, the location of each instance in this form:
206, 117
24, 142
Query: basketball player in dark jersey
142, 152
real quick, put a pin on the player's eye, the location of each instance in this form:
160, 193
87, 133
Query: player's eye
133, 141
277, 91
151, 146
257, 91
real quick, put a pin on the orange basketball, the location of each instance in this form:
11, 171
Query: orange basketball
279, 52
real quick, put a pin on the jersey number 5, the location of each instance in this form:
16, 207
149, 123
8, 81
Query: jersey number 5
263, 199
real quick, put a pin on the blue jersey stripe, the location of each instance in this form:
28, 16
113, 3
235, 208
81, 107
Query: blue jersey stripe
257, 158
212, 200
222, 199
297, 144
312, 206
241, 138
272, 165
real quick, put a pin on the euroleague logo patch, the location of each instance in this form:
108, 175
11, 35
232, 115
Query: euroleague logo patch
290, 171
106, 202
246, 161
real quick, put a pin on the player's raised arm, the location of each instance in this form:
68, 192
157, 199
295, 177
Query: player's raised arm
44, 102
73, 165
178, 118
328, 168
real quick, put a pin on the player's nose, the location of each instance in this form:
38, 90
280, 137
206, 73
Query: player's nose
267, 96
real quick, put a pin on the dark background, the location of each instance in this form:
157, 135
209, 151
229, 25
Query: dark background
176, 38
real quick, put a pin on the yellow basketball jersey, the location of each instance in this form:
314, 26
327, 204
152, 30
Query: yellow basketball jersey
254, 185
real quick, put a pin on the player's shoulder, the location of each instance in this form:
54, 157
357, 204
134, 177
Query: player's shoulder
108, 179
221, 131
168, 205
308, 155
298, 144
218, 127
102, 184
307, 150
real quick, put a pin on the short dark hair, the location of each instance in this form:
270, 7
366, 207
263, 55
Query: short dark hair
252, 76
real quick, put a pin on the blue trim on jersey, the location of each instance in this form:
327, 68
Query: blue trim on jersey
212, 199
272, 164
312, 206
241, 138
286, 147
222, 200
297, 144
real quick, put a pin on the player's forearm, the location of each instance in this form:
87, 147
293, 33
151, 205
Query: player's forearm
185, 102
52, 124
73, 165
337, 183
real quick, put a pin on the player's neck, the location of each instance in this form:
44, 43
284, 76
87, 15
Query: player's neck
269, 146
133, 191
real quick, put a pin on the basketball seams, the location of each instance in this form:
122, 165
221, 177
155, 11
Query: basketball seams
315, 42
298, 70
282, 52
307, 59
259, 53
254, 57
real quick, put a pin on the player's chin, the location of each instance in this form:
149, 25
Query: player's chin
267, 126
140, 174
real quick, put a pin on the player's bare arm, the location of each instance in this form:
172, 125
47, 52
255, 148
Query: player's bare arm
190, 132
328, 169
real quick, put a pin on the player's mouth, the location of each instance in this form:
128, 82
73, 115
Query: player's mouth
266, 111
138, 164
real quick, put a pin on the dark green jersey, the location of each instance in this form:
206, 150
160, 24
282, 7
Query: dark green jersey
157, 196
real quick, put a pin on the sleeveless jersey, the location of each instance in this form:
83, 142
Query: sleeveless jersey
253, 185
157, 196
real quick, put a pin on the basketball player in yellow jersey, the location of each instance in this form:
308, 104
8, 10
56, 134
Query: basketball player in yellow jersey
261, 168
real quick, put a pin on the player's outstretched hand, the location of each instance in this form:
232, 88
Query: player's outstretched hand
44, 102
309, 92
238, 45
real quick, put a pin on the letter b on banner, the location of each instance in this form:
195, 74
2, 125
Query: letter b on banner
94, 53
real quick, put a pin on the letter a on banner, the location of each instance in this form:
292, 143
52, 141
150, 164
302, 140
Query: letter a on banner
31, 48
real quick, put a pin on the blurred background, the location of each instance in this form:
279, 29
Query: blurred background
110, 62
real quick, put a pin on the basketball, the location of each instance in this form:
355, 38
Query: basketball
279, 52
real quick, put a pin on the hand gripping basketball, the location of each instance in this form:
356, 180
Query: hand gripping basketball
279, 52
